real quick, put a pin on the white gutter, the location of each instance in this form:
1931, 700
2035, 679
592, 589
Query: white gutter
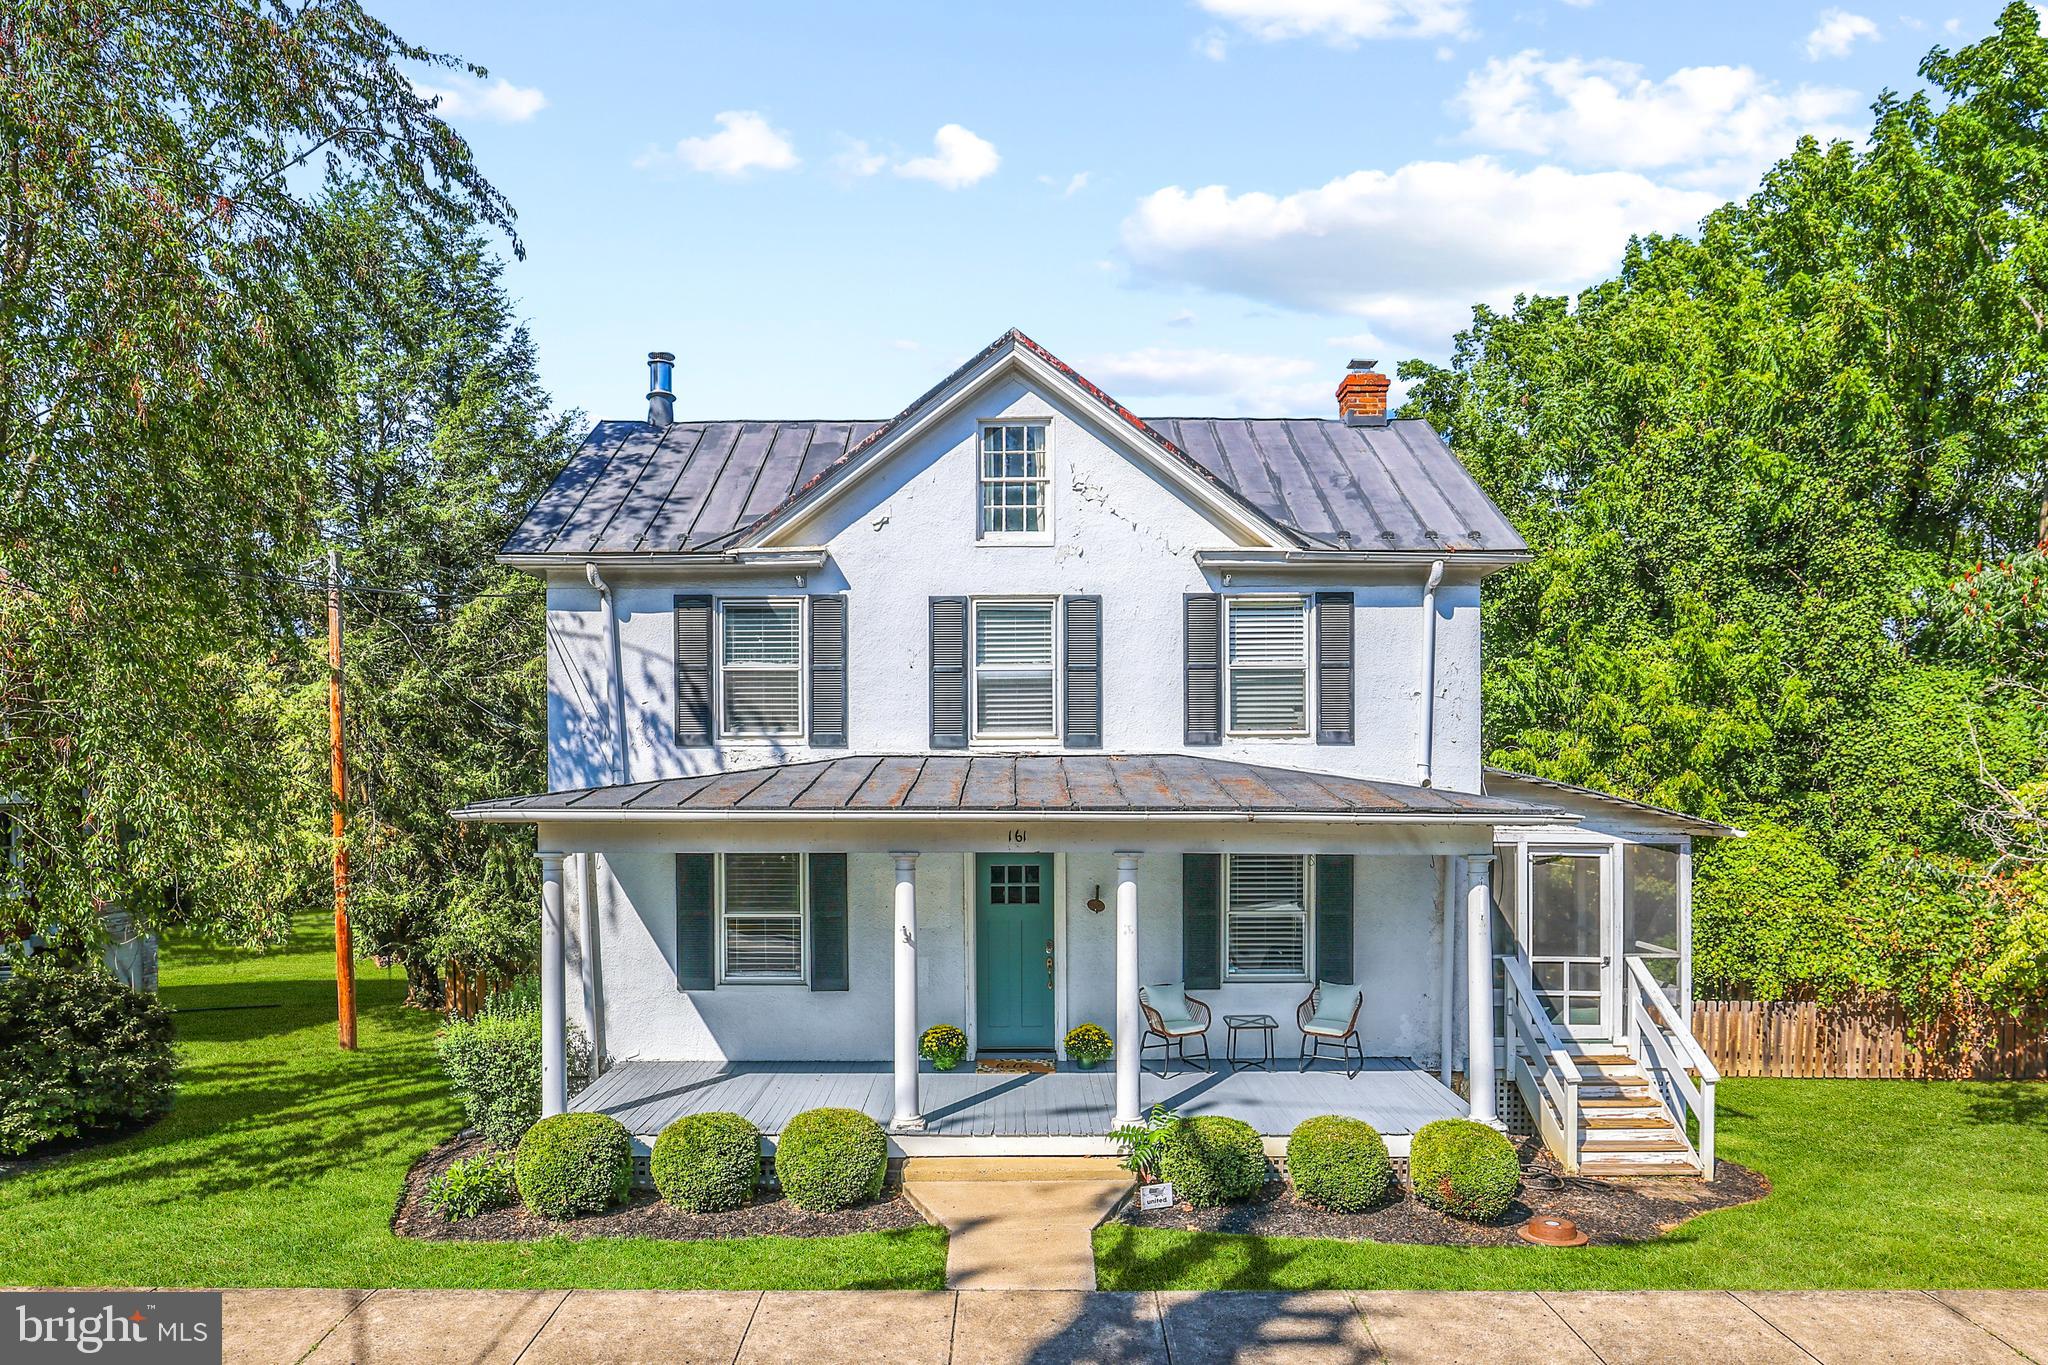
621, 773
1252, 559
801, 559
531, 814
1425, 761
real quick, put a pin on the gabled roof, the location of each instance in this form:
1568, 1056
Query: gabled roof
1010, 784
711, 487
1585, 797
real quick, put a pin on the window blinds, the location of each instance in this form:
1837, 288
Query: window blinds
764, 915
1268, 924
1268, 654
762, 688
1013, 674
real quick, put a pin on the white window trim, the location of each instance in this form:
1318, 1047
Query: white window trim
1308, 926
984, 536
801, 667
803, 931
1014, 741
1308, 666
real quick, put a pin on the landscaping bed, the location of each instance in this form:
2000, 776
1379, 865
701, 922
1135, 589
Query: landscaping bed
1609, 1212
643, 1215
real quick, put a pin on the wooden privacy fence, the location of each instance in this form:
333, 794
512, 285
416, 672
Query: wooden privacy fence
464, 992
1801, 1038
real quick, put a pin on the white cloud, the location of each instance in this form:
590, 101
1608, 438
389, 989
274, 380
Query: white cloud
1221, 383
959, 159
1184, 317
1408, 250
1069, 187
1213, 44
857, 158
1835, 32
498, 102
1343, 22
1721, 124
744, 142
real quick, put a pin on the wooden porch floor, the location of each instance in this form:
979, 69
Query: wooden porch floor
1392, 1094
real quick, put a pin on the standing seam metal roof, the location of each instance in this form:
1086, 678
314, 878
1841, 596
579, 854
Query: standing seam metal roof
912, 784
704, 486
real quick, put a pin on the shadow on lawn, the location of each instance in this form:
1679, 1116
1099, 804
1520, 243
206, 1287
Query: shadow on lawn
2000, 1103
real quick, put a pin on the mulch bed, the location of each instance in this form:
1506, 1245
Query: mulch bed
1609, 1212
644, 1215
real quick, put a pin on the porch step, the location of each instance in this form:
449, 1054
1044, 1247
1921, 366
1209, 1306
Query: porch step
1647, 1118
927, 1169
1620, 1102
1610, 1168
1666, 1143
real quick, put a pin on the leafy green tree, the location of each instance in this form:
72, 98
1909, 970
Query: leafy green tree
439, 436
168, 312
1752, 462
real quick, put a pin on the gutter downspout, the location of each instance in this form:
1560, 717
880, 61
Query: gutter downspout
1425, 761
1447, 901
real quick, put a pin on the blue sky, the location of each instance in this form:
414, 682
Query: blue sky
1206, 205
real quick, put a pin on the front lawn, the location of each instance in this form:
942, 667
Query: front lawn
282, 1162
1877, 1184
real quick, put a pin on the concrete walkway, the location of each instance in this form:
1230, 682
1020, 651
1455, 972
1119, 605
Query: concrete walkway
1031, 1229
974, 1327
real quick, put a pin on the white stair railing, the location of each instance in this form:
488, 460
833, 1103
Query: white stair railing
1666, 1045
1542, 1067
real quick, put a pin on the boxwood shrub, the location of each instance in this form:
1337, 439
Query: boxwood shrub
1339, 1163
707, 1163
79, 1053
493, 1062
1464, 1168
831, 1159
1213, 1160
570, 1164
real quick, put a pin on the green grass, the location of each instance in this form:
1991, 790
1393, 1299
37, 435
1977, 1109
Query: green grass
282, 1161
1876, 1184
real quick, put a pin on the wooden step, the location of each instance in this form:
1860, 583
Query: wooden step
1604, 1059
1614, 1144
1636, 1121
1641, 1168
1619, 1102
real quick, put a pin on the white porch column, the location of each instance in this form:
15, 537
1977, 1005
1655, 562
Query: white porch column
1479, 986
1130, 1025
907, 1119
554, 1045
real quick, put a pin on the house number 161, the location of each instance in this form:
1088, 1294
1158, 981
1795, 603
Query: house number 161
1020, 836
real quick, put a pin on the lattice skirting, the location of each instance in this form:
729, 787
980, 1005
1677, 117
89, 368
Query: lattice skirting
1513, 1113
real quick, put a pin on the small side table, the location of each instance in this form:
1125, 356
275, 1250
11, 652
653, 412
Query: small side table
1265, 1025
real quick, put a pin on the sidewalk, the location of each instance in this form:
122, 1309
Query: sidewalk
1043, 1327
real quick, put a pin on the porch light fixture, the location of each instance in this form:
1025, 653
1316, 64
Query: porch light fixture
1095, 901
1553, 1232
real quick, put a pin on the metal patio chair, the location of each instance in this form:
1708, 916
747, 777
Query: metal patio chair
1330, 1016
1172, 1016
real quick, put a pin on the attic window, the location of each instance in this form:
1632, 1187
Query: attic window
1016, 482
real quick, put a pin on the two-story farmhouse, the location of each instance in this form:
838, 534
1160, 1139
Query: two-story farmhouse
1017, 711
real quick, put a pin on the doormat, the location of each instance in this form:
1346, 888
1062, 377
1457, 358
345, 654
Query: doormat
1028, 1066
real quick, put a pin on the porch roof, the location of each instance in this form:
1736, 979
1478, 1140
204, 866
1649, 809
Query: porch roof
961, 785
1657, 816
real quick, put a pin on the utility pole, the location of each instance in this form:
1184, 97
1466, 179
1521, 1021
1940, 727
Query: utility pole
344, 951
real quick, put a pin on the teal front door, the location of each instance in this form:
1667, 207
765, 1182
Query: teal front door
1013, 941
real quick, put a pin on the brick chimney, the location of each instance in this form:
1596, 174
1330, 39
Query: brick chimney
1362, 395
661, 395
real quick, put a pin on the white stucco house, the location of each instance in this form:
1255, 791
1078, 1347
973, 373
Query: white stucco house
1001, 711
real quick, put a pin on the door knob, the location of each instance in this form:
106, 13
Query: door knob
1048, 964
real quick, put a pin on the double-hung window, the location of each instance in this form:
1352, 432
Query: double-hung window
761, 678
1266, 920
1267, 653
1013, 669
1016, 482
761, 917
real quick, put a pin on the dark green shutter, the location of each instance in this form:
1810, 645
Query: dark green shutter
828, 672
696, 923
1201, 920
1333, 918
828, 922
949, 672
1082, 672
694, 729
1336, 692
1202, 621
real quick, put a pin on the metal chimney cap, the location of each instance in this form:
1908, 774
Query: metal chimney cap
1361, 365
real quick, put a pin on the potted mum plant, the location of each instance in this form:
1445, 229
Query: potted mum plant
943, 1046
1088, 1046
